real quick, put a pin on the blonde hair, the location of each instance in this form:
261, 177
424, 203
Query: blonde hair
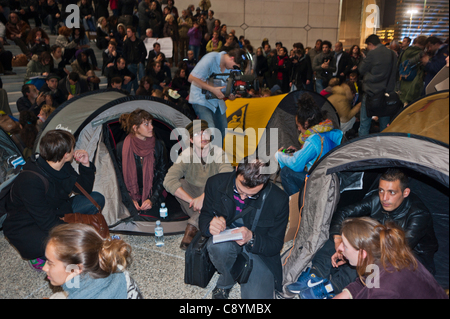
80, 244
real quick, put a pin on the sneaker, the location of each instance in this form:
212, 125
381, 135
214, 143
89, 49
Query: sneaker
320, 291
36, 264
305, 281
220, 293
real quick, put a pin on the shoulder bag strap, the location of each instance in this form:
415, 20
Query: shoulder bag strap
85, 193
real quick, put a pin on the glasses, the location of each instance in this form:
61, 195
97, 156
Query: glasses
238, 192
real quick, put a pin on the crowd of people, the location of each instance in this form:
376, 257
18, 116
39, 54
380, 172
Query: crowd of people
203, 178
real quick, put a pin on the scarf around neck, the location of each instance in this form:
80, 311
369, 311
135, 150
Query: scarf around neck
146, 151
322, 127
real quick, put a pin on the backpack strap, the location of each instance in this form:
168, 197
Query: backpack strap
43, 179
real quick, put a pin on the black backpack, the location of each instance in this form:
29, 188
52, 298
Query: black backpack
6, 191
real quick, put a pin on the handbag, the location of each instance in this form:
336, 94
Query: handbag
198, 268
243, 266
97, 220
384, 104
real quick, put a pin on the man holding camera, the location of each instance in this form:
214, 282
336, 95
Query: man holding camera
213, 110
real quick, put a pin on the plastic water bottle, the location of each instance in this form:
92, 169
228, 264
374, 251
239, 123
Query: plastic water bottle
159, 234
163, 213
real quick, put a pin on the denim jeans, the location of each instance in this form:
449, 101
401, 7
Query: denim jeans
215, 120
366, 121
292, 181
196, 50
137, 69
260, 284
81, 204
319, 85
321, 266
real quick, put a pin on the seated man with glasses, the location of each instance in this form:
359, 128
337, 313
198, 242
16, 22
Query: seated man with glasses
187, 177
232, 201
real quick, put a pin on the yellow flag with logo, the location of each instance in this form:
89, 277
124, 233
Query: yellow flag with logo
247, 120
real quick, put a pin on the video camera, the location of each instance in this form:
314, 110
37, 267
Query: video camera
236, 83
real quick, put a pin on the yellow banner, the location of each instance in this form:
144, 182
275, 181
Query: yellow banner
247, 121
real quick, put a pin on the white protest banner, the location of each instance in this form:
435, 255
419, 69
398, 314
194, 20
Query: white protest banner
165, 43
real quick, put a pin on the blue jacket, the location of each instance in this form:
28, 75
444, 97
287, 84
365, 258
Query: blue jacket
306, 157
436, 63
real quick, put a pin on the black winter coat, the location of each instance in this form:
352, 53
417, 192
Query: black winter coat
412, 215
219, 198
33, 211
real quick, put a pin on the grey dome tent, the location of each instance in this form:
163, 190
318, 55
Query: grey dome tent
328, 187
93, 119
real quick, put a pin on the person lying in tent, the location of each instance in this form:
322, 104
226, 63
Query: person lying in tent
317, 138
187, 177
384, 247
143, 161
391, 201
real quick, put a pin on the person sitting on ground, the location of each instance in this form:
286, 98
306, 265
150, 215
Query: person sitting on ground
31, 99
72, 85
391, 201
86, 71
109, 55
120, 70
58, 65
41, 194
43, 115
99, 266
341, 98
17, 31
143, 161
187, 177
231, 201
399, 275
157, 76
116, 83
180, 83
317, 138
51, 88
27, 135
39, 66
69, 47
145, 87
38, 41
103, 35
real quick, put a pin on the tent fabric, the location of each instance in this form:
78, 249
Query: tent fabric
322, 187
262, 115
427, 116
71, 118
85, 117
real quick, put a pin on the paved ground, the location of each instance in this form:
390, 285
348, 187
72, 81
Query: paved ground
159, 272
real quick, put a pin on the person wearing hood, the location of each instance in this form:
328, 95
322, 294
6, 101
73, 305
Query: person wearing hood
317, 138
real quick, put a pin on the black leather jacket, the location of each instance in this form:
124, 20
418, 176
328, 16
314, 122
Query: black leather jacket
412, 215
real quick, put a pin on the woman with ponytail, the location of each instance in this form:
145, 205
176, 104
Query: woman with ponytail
142, 158
385, 264
317, 138
87, 266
